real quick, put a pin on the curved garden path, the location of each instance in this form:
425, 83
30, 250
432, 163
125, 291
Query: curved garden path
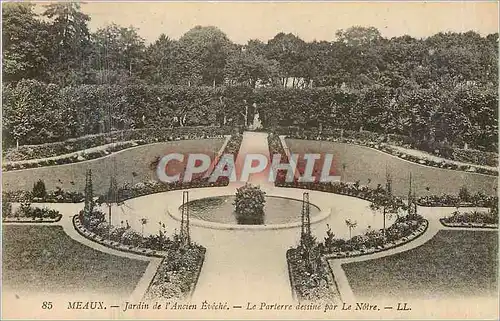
248, 265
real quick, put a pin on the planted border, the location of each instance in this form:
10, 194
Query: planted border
167, 282
178, 273
326, 289
418, 231
27, 214
29, 220
383, 147
473, 219
321, 286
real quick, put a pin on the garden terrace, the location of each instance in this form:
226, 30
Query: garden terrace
393, 143
43, 259
131, 165
455, 263
363, 164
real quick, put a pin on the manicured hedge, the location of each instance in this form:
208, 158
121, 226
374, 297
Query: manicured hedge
140, 136
37, 113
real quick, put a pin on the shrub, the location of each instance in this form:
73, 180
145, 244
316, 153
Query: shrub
39, 190
464, 194
476, 217
6, 207
69, 112
117, 233
249, 204
130, 237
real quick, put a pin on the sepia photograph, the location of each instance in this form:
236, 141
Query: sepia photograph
250, 160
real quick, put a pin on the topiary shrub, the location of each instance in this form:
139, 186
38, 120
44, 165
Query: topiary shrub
249, 205
39, 190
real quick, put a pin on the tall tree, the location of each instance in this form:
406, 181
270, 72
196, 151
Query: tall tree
70, 39
26, 49
159, 60
209, 47
248, 67
118, 53
288, 50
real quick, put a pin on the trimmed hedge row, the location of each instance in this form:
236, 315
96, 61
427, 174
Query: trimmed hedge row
140, 136
36, 113
71, 158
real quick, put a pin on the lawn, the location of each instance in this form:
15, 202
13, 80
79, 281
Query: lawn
362, 163
453, 264
132, 166
41, 259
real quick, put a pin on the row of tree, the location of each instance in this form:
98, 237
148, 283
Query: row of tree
58, 47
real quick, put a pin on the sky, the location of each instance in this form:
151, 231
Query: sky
242, 21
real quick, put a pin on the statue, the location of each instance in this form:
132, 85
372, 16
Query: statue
257, 123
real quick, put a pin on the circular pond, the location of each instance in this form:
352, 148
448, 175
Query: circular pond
220, 209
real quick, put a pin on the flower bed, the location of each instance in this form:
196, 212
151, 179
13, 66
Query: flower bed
72, 153
57, 196
404, 230
341, 188
233, 145
147, 136
471, 219
447, 200
28, 214
318, 286
75, 157
178, 273
124, 193
31, 220
99, 233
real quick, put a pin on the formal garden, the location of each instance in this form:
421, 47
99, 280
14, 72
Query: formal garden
414, 141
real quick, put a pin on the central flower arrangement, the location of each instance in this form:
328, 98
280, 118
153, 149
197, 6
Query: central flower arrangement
249, 205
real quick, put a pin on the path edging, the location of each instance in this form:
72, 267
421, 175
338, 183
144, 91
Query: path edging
469, 225
31, 221
115, 245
